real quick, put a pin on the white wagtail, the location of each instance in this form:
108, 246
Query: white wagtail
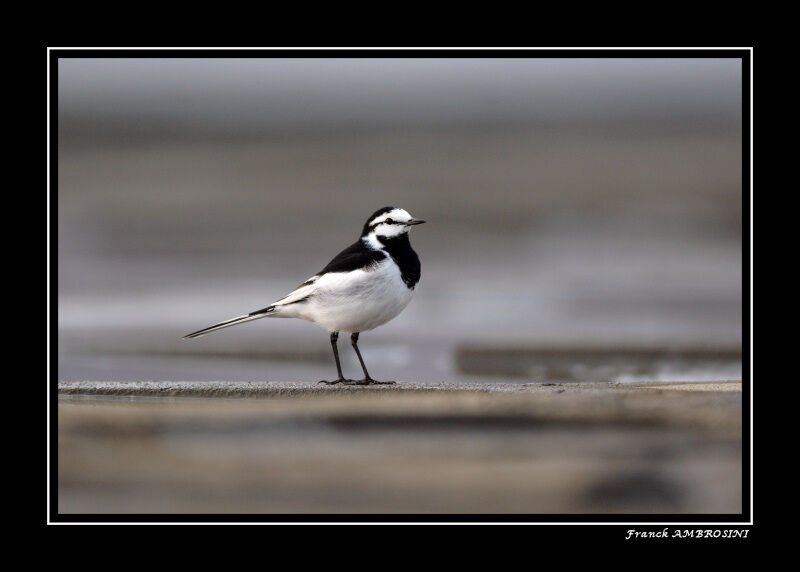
363, 287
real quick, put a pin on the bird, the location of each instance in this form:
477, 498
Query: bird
364, 286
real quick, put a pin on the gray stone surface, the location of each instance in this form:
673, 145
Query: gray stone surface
183, 447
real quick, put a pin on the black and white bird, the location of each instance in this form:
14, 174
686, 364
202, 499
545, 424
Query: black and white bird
363, 287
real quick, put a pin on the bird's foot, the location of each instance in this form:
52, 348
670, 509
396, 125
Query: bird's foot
335, 381
367, 381
370, 381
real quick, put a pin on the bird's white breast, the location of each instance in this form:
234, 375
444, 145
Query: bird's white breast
359, 300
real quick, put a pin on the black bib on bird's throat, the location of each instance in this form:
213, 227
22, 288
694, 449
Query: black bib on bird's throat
399, 248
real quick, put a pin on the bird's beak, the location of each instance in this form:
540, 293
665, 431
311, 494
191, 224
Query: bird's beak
414, 221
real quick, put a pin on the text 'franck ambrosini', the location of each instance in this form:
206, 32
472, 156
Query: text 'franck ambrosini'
688, 533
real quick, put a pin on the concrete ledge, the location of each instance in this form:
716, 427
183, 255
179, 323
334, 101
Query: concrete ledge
297, 388
300, 447
699, 406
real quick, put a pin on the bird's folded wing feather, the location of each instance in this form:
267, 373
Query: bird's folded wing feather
354, 257
300, 293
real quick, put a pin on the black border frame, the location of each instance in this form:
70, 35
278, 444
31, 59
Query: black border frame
641, 522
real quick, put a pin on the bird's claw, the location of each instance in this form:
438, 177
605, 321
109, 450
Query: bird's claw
335, 381
370, 381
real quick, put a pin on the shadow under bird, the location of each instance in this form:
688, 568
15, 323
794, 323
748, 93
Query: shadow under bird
363, 287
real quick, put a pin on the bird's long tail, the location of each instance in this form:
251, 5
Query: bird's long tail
263, 313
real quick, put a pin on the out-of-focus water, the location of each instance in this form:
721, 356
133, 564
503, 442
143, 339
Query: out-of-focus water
597, 236
158, 241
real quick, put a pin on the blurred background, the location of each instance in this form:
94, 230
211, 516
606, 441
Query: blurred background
587, 208
584, 225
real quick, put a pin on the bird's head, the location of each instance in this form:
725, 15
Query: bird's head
389, 222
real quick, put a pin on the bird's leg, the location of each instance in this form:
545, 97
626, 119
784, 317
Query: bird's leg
334, 338
354, 341
367, 379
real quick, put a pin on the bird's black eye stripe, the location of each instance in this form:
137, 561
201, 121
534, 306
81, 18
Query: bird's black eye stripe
374, 225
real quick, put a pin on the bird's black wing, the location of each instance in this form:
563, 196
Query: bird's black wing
354, 257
